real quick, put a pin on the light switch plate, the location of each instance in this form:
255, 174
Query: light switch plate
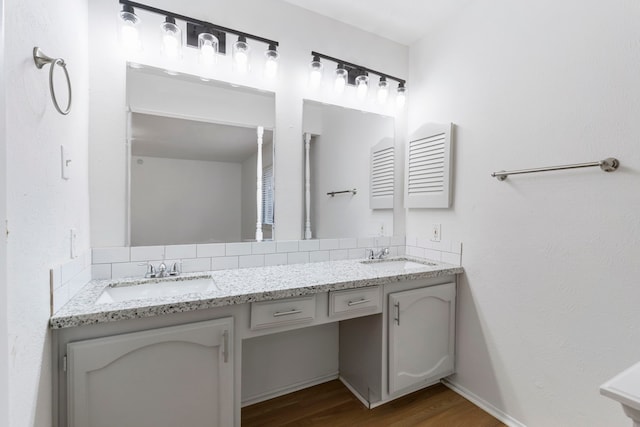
436, 232
73, 235
65, 162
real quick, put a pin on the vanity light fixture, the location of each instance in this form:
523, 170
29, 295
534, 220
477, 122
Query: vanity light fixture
383, 90
315, 72
401, 97
362, 85
271, 62
348, 73
208, 46
171, 38
129, 24
210, 39
241, 51
342, 75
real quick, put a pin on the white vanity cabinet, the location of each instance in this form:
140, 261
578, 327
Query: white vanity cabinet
421, 336
164, 377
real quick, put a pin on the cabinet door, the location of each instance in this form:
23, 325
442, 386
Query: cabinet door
421, 335
166, 377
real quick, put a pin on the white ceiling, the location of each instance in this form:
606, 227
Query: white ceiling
403, 21
171, 138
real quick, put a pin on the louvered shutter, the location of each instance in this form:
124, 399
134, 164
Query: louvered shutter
382, 175
267, 195
428, 167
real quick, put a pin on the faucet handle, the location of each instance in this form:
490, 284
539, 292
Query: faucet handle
151, 270
370, 254
176, 268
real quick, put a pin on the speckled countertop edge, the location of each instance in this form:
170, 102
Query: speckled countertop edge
239, 287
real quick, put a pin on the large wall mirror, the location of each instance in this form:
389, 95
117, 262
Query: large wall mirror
338, 172
200, 161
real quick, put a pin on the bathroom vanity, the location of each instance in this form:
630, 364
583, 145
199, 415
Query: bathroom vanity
177, 358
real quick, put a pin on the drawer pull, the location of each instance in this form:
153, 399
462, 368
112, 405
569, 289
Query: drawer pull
286, 313
362, 301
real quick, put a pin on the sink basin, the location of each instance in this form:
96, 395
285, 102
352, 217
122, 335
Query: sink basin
396, 264
625, 388
154, 288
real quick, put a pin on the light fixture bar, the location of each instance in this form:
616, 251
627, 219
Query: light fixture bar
359, 67
198, 21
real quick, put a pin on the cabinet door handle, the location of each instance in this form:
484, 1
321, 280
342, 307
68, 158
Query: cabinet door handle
225, 346
362, 301
286, 313
397, 319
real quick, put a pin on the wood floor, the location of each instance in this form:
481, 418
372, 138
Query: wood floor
332, 404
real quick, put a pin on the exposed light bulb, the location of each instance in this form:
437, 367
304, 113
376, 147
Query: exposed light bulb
401, 97
315, 72
271, 62
383, 90
129, 34
341, 79
362, 86
208, 45
241, 55
171, 38
170, 45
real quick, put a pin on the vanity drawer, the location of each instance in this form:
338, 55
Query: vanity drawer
270, 314
355, 301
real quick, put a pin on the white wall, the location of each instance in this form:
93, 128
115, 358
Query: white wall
41, 207
340, 160
298, 32
178, 201
549, 302
4, 333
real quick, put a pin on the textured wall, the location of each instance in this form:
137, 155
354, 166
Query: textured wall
41, 207
548, 307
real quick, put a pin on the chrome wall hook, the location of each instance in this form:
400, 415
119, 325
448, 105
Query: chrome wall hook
41, 59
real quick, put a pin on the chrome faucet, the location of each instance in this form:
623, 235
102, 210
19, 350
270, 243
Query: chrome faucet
162, 271
380, 254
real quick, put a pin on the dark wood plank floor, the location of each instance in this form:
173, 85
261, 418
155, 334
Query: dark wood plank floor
332, 404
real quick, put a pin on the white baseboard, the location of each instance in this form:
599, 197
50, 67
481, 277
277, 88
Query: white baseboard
288, 389
483, 404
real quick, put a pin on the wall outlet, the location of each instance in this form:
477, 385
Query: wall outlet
436, 232
73, 235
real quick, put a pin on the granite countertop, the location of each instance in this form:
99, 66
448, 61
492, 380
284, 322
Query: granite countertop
242, 286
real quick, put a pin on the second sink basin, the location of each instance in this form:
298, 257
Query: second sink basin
397, 264
155, 288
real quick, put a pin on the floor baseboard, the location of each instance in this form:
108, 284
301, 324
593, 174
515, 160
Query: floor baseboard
483, 404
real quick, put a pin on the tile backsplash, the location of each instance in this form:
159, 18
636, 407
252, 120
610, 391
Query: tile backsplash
118, 262
67, 279
114, 263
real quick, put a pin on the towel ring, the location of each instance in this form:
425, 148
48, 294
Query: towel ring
41, 60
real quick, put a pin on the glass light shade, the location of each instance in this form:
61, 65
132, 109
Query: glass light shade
208, 45
383, 90
315, 72
171, 39
241, 51
271, 63
341, 80
362, 86
401, 97
129, 34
